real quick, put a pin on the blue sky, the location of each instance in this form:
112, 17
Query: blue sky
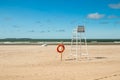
54, 19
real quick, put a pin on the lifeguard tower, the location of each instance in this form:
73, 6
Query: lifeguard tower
79, 47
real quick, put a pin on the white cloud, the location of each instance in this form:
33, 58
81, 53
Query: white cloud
114, 6
61, 30
113, 16
31, 31
95, 16
117, 22
104, 22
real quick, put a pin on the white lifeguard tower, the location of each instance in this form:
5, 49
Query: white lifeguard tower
79, 47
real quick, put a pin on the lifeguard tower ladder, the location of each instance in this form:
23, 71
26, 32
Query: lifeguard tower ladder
79, 47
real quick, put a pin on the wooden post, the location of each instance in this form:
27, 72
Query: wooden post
61, 56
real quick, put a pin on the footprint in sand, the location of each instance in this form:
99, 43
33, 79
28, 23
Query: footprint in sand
114, 75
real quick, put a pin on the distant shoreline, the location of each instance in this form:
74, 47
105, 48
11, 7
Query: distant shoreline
52, 40
27, 41
56, 43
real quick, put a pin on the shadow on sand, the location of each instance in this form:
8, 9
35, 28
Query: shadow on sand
90, 58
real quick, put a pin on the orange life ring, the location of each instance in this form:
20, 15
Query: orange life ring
60, 48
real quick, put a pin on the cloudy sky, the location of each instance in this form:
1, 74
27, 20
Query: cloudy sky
53, 19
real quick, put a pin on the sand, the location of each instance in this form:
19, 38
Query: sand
34, 62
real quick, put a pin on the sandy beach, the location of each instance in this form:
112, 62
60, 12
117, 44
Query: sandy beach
34, 62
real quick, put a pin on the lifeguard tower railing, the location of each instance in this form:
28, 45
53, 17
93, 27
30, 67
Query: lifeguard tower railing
79, 43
